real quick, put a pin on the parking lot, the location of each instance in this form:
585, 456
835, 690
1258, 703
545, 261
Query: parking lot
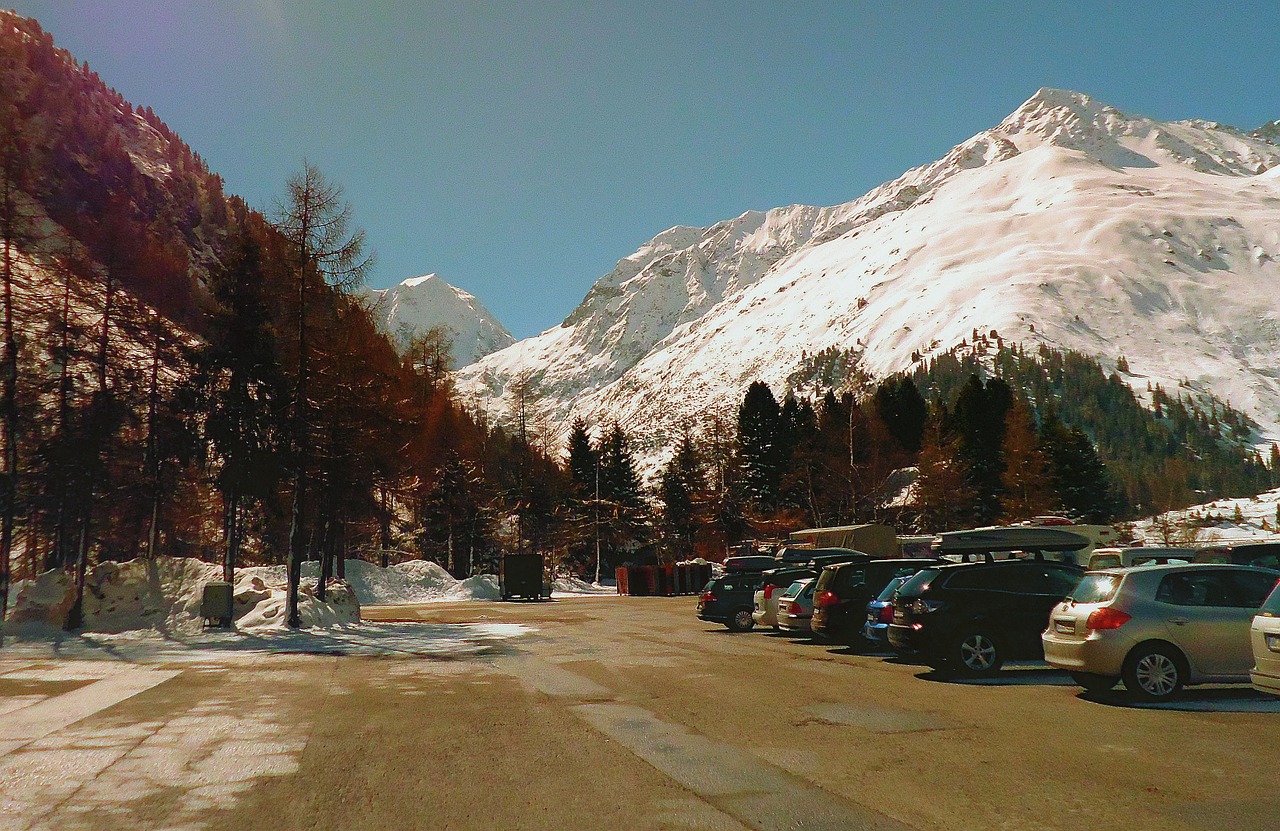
618, 713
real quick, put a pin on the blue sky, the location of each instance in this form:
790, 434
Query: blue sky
520, 149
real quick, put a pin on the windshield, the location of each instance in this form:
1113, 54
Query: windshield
1096, 588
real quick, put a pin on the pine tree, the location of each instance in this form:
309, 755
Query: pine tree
942, 496
241, 392
683, 482
622, 500
903, 410
316, 222
978, 420
1026, 484
1080, 479
582, 460
759, 445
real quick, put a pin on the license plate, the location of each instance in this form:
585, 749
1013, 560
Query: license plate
1273, 643
899, 617
1067, 626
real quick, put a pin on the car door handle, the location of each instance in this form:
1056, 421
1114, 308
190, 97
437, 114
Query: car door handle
1179, 621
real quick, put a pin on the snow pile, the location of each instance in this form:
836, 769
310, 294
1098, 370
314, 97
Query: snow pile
576, 585
1069, 224
1224, 520
165, 594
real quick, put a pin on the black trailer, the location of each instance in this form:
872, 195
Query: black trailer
520, 575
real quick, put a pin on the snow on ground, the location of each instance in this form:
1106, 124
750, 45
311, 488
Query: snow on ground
441, 641
162, 597
1219, 521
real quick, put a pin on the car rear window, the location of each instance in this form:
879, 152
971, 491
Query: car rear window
744, 583
851, 577
894, 584
920, 582
794, 589
825, 578
1096, 588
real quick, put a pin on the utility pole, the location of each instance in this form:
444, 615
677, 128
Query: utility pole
853, 485
597, 518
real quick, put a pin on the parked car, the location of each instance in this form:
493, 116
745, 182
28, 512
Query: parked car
772, 583
795, 607
842, 592
820, 562
880, 614
1264, 632
805, 556
729, 600
969, 618
1264, 554
750, 562
1158, 627
1138, 555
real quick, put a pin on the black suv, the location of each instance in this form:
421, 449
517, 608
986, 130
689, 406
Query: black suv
730, 600
969, 618
843, 591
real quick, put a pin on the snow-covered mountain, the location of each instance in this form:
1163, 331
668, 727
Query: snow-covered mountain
1070, 223
421, 303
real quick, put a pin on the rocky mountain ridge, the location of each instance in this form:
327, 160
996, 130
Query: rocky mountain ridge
1070, 223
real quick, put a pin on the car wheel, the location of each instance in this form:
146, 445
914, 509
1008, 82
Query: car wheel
1154, 672
1092, 682
741, 621
975, 653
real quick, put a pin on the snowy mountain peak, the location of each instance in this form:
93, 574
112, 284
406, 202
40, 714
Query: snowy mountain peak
419, 304
1075, 121
1070, 223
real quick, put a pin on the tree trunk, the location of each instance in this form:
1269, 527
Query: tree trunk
326, 560
75, 617
152, 456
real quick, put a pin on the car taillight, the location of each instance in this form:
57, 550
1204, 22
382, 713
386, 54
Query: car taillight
886, 615
708, 597
1107, 618
825, 599
768, 590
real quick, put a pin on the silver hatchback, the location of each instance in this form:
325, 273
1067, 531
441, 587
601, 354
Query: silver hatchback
1158, 627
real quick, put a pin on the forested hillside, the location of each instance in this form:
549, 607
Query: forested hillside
188, 376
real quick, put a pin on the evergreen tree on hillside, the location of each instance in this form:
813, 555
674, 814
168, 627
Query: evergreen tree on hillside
943, 497
1080, 479
1026, 483
760, 447
582, 460
316, 222
978, 420
623, 509
240, 392
903, 410
682, 484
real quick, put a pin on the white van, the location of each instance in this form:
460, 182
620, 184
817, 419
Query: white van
1137, 556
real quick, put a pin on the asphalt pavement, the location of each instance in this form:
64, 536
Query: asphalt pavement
610, 713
